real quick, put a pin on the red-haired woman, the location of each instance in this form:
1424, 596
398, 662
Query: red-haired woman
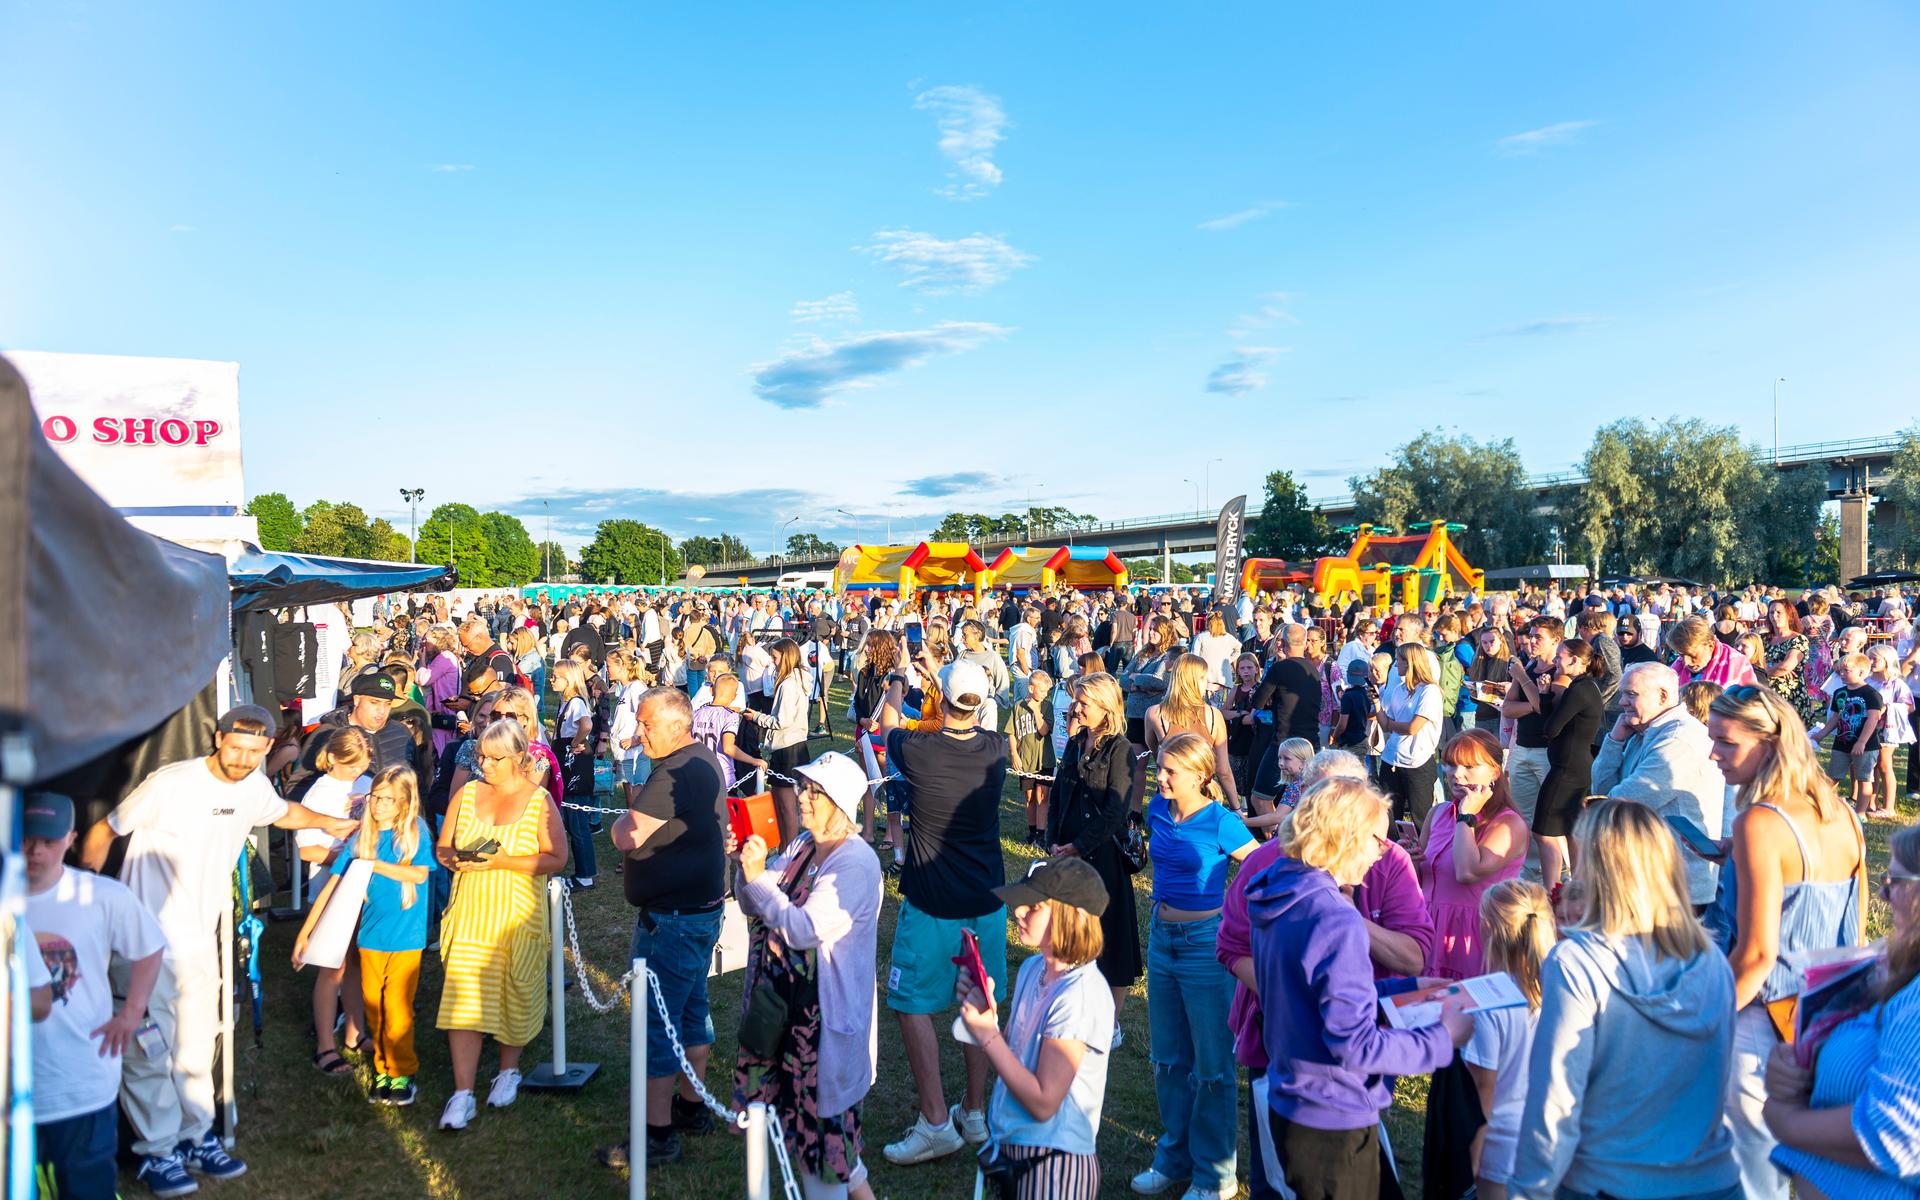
1473, 840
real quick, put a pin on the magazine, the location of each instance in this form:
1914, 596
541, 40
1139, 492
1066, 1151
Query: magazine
1834, 989
1422, 1007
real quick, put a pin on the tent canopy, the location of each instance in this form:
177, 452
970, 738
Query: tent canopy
265, 579
86, 596
1539, 571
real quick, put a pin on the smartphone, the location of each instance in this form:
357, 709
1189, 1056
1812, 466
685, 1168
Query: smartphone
969, 960
472, 853
915, 637
1405, 831
1695, 839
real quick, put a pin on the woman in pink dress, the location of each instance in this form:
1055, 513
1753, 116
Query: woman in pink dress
1473, 840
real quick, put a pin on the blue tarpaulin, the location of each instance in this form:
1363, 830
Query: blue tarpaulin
264, 579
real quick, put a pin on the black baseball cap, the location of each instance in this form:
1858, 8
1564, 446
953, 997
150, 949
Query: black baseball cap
46, 815
1068, 880
373, 682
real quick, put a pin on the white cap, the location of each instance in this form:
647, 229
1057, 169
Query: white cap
840, 778
964, 678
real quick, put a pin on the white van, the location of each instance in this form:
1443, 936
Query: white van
806, 579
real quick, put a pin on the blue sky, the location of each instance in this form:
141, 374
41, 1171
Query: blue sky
718, 266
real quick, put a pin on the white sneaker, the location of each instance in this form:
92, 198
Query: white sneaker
1119, 1039
583, 881
460, 1109
924, 1143
1151, 1182
972, 1123
506, 1089
1200, 1193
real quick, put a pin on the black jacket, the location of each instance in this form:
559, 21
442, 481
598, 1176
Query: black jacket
1091, 793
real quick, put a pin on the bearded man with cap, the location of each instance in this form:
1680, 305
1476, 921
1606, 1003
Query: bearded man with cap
82, 924
950, 780
369, 707
815, 944
187, 823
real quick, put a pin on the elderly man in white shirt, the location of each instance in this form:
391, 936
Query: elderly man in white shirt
1658, 755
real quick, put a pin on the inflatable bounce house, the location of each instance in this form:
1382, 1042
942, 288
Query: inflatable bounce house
941, 566
1085, 568
1422, 564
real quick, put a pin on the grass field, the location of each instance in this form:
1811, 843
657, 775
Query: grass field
304, 1134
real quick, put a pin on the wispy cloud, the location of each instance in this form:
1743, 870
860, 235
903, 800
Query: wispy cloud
1272, 308
1236, 219
808, 377
970, 123
449, 168
936, 266
838, 307
1545, 326
936, 486
577, 511
1533, 141
179, 229
1243, 372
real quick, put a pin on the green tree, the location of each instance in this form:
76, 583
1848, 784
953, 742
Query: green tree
1438, 477
980, 527
388, 543
1898, 533
1786, 520
627, 551
335, 530
1147, 570
278, 519
553, 559
1826, 551
1677, 498
453, 534
809, 545
1286, 525
707, 551
514, 558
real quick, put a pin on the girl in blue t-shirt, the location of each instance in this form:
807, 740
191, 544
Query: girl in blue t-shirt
1192, 838
393, 925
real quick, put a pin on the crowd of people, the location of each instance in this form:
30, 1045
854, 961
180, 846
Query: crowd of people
1613, 797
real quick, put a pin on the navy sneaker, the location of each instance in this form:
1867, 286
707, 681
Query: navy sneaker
208, 1157
401, 1091
380, 1092
166, 1175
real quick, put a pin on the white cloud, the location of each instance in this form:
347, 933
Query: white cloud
936, 266
1237, 219
970, 122
449, 168
1272, 310
1547, 325
838, 307
1535, 140
808, 377
1242, 372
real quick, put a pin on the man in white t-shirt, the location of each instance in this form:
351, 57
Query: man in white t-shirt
186, 824
1023, 644
81, 924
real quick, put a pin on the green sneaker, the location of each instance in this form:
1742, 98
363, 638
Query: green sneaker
401, 1092
382, 1090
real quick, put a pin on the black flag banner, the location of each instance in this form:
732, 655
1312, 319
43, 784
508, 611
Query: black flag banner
1229, 549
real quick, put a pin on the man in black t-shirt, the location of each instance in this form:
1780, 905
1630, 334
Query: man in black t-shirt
675, 843
1291, 692
951, 781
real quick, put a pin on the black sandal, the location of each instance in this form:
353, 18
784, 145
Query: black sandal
329, 1062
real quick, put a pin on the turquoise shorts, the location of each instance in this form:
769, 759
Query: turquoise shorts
924, 974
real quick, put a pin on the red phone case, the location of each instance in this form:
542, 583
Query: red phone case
969, 958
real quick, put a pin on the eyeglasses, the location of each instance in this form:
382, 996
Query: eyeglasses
1889, 878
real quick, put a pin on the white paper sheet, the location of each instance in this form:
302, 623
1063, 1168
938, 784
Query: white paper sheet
333, 932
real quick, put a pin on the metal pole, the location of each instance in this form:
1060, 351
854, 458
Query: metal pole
227, 1040
759, 1186
1776, 419
637, 1086
557, 973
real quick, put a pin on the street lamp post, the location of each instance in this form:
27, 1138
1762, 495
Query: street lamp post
546, 546
1776, 419
412, 497
783, 529
849, 516
1208, 476
1196, 496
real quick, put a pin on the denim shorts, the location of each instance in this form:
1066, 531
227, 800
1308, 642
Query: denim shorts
679, 951
922, 977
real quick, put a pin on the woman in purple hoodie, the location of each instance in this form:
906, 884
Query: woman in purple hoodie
1327, 1054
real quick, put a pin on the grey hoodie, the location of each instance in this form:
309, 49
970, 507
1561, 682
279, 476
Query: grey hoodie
1627, 1081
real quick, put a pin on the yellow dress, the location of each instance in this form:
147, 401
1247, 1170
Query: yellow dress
493, 936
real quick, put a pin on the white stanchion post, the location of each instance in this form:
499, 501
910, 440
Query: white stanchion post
228, 1101
558, 1075
759, 1185
637, 1087
759, 781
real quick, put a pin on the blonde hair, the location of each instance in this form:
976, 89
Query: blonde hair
1105, 690
509, 736
1698, 696
1192, 752
1633, 881
1856, 660
1300, 748
1333, 828
1073, 934
1418, 666
1884, 658
1792, 766
569, 678
524, 641
1217, 625
622, 667
1691, 635
1517, 932
348, 747
406, 823
1185, 706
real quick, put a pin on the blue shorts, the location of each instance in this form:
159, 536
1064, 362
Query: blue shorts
679, 951
923, 974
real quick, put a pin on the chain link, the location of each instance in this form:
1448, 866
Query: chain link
620, 985
789, 1184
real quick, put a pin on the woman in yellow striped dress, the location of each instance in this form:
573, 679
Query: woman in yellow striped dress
493, 937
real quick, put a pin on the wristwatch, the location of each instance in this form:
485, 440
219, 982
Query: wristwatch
1470, 820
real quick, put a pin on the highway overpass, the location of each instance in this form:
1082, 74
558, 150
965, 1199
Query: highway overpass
1855, 469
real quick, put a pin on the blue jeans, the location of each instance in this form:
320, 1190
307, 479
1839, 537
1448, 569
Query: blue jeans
74, 1157
579, 827
1188, 994
695, 680
679, 951
440, 882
